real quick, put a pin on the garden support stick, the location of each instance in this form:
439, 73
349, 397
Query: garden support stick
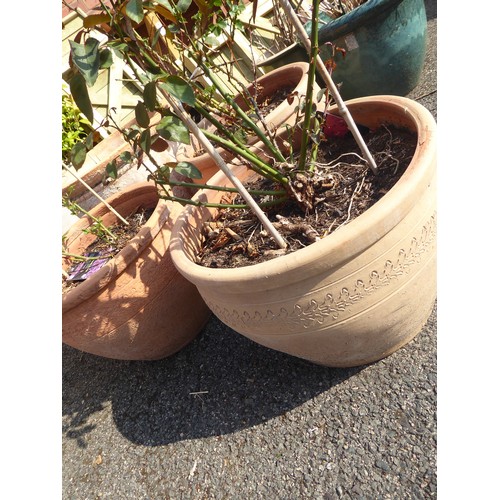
330, 84
95, 194
195, 130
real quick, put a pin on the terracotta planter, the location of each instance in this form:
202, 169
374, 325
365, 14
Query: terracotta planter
357, 295
295, 75
137, 307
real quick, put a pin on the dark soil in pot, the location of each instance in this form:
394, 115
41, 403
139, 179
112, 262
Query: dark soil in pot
109, 247
342, 189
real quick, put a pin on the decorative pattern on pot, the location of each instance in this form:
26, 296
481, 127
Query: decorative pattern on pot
337, 300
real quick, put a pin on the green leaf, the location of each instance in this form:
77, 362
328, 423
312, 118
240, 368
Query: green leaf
105, 58
80, 95
135, 10
149, 95
126, 157
180, 89
132, 133
183, 5
173, 28
145, 140
89, 141
118, 48
172, 129
188, 169
212, 40
320, 94
141, 114
86, 58
78, 154
111, 170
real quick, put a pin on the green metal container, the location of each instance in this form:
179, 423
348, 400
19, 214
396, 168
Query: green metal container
384, 43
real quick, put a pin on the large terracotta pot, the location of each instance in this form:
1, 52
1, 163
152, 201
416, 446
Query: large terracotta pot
291, 75
357, 295
137, 307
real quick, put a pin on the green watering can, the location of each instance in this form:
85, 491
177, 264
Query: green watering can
383, 42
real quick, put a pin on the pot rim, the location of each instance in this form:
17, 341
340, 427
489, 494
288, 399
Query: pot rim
301, 68
128, 254
358, 234
360, 17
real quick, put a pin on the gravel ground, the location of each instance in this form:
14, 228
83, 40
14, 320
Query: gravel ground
227, 418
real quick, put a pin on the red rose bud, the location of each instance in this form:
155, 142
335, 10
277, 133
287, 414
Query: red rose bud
335, 126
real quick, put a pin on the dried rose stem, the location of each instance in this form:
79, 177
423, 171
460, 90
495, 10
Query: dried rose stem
195, 130
330, 84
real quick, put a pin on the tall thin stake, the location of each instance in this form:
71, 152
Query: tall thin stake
195, 130
96, 194
285, 4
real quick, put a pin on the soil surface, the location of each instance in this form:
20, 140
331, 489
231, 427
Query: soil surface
122, 232
342, 188
269, 103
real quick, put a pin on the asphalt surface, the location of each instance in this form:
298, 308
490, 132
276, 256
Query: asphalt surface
227, 418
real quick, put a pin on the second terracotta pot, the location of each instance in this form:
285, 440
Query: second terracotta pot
138, 306
293, 76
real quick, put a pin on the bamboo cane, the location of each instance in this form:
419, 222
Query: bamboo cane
285, 4
195, 130
95, 194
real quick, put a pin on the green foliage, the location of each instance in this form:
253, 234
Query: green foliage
105, 58
80, 95
141, 114
183, 5
111, 169
171, 128
180, 89
97, 227
150, 96
78, 154
166, 78
75, 128
145, 140
86, 58
135, 10
188, 169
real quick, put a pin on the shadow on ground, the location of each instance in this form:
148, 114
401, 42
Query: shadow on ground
431, 9
220, 383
